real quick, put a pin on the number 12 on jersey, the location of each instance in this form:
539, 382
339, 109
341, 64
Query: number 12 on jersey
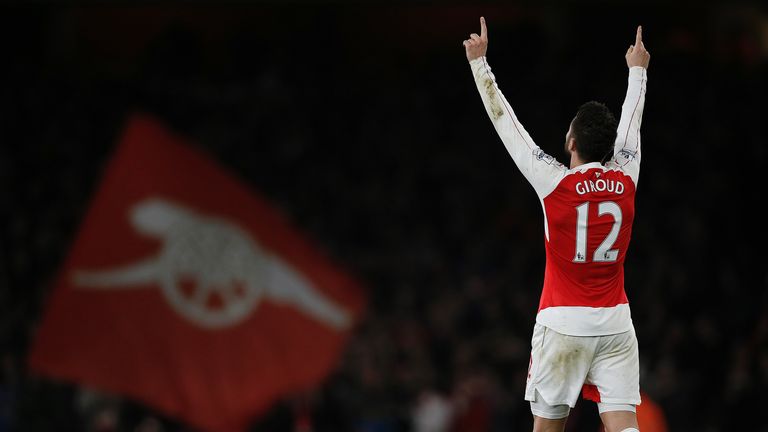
603, 253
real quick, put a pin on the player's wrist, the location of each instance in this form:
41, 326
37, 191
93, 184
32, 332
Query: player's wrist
637, 72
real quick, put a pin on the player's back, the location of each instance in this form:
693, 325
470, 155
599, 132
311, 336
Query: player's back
588, 220
588, 214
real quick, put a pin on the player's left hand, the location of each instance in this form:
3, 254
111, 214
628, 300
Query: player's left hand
477, 45
637, 55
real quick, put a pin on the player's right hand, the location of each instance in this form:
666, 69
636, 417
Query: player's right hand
476, 46
637, 55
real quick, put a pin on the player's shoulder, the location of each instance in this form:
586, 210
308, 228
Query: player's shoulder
542, 156
629, 172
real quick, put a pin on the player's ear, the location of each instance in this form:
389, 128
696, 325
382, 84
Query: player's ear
571, 145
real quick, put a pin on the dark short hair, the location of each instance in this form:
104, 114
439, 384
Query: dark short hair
594, 130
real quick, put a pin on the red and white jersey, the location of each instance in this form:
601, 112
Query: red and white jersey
588, 214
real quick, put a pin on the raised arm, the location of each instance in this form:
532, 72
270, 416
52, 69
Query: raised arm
626, 153
540, 169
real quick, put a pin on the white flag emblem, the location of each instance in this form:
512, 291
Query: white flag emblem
222, 260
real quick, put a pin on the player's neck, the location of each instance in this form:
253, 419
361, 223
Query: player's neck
576, 161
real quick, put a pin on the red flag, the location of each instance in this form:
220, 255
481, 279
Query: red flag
186, 290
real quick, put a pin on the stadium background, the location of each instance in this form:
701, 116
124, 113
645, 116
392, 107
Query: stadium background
364, 126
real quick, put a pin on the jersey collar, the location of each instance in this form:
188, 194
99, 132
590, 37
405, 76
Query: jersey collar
587, 166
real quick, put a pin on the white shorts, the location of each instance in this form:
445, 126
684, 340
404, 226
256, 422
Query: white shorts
606, 368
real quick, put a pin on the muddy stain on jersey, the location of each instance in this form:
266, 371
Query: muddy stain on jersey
493, 98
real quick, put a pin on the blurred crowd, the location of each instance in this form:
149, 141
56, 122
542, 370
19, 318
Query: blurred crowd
383, 154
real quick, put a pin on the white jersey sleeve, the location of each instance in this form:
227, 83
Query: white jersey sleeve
626, 151
539, 168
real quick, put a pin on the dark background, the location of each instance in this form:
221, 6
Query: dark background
363, 124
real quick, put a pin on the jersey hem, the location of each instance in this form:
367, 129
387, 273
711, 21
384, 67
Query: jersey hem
586, 321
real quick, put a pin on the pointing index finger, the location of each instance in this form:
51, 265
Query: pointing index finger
483, 29
639, 36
